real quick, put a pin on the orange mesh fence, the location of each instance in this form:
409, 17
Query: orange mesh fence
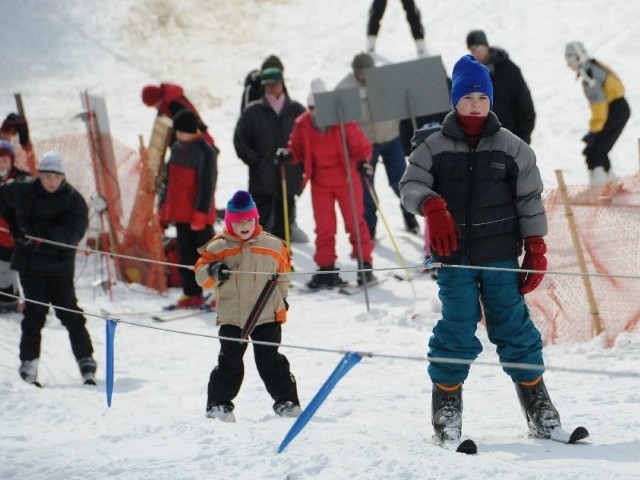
608, 223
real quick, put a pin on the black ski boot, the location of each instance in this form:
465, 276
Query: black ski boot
446, 414
88, 367
366, 276
541, 415
410, 223
326, 280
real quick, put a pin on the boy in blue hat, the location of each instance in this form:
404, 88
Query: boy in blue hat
480, 190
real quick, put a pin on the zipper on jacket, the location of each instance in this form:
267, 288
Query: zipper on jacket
469, 200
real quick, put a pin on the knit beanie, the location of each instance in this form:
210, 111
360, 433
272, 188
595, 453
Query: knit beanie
362, 61
271, 75
151, 94
52, 162
240, 207
317, 86
272, 62
470, 76
575, 54
476, 37
185, 121
6, 148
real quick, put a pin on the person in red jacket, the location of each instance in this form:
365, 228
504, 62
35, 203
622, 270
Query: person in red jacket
187, 199
320, 150
169, 99
8, 278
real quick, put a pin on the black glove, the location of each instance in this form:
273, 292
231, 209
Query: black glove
365, 168
21, 234
219, 271
589, 139
286, 304
282, 156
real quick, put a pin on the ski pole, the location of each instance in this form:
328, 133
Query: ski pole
403, 263
285, 207
258, 307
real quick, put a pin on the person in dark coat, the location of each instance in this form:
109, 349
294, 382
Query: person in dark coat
262, 129
39, 210
512, 101
187, 199
253, 91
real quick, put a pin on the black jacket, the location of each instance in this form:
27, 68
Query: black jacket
260, 131
512, 101
61, 216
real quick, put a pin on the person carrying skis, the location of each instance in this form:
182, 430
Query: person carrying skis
480, 189
384, 136
321, 152
243, 246
169, 100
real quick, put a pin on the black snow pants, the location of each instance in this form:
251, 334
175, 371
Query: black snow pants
59, 291
413, 17
597, 154
226, 378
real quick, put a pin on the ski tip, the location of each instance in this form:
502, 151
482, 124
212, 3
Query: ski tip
579, 433
468, 447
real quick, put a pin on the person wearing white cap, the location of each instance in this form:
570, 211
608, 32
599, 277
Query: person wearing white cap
41, 211
610, 111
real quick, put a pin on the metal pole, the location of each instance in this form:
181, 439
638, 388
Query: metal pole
352, 194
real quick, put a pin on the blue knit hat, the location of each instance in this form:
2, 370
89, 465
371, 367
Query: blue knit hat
470, 76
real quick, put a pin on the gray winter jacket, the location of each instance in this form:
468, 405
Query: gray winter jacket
493, 191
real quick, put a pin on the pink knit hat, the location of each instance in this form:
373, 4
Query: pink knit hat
240, 207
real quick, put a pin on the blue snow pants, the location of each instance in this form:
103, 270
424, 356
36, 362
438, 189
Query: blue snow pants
463, 292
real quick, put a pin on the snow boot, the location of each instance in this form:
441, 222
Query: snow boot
371, 43
190, 301
8, 305
287, 409
326, 280
541, 415
446, 413
221, 412
88, 367
366, 276
29, 370
298, 235
410, 223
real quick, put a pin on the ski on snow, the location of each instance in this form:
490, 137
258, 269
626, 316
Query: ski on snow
571, 438
560, 435
354, 289
178, 314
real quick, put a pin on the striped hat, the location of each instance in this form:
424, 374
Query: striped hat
240, 207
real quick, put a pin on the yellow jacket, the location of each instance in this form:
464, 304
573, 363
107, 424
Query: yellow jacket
601, 86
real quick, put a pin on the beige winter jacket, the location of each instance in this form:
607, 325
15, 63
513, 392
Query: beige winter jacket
262, 253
